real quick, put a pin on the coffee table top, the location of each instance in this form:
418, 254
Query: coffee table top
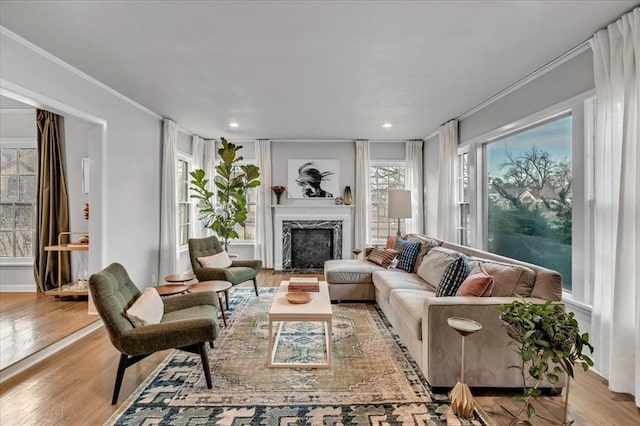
210, 286
179, 278
170, 289
319, 308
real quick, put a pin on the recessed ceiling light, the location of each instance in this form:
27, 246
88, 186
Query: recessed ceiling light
387, 125
234, 124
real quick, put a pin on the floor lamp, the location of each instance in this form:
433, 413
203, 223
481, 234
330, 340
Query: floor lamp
399, 205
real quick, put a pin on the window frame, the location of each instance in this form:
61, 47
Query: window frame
581, 294
243, 241
22, 143
383, 163
461, 229
189, 202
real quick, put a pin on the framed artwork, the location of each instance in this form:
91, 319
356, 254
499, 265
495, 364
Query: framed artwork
313, 178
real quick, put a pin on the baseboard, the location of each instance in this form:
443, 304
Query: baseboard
30, 360
18, 288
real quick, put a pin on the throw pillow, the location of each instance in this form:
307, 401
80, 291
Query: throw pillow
218, 260
382, 257
147, 309
408, 251
453, 276
478, 283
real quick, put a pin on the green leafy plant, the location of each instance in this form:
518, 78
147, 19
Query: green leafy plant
548, 340
232, 181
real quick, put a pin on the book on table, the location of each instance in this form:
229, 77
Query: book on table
304, 284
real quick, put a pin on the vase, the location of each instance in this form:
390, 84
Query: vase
278, 195
347, 196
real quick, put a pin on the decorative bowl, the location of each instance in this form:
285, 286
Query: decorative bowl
299, 297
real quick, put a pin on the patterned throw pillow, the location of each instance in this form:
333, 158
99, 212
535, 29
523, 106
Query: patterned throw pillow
408, 253
452, 277
478, 283
382, 257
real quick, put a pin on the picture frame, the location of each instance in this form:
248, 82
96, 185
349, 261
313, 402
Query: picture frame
313, 179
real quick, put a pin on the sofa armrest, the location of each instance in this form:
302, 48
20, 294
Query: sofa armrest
488, 352
248, 263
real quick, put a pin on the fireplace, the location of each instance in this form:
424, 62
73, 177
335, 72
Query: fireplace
305, 236
307, 244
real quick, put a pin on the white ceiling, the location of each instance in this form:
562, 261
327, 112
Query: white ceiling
308, 70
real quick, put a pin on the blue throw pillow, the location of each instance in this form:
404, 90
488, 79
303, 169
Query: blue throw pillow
408, 253
453, 276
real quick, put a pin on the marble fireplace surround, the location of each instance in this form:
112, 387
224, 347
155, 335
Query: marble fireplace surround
300, 213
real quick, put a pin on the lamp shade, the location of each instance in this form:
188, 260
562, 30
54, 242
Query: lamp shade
399, 204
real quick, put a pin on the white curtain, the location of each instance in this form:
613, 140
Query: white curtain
362, 199
263, 244
204, 157
413, 182
446, 185
615, 318
168, 206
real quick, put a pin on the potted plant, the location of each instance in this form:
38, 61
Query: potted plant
232, 181
548, 340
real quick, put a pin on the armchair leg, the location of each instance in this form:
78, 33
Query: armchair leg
119, 376
205, 363
255, 285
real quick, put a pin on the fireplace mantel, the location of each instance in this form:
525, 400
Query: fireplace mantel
301, 212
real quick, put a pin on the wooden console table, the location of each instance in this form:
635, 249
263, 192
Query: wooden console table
73, 288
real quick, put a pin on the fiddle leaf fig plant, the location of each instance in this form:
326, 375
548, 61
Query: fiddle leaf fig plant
223, 210
549, 343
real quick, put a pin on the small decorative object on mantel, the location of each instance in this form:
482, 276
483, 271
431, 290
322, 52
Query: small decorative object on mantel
339, 201
278, 190
347, 196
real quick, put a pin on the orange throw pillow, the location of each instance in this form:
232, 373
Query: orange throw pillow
478, 283
391, 241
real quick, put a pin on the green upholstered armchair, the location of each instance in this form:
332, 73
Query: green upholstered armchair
188, 322
239, 271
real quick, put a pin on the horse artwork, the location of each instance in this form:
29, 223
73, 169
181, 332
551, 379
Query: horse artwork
313, 178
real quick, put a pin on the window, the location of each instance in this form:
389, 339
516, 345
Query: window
17, 201
249, 230
529, 195
383, 176
184, 202
463, 227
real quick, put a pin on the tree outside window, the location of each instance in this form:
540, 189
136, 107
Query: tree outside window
17, 201
249, 230
382, 178
529, 196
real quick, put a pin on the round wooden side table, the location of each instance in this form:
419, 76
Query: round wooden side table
180, 278
171, 289
461, 399
219, 287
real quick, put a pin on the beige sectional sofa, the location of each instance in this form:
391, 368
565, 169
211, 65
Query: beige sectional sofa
420, 318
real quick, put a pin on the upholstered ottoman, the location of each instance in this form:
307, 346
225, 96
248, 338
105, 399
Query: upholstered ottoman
350, 280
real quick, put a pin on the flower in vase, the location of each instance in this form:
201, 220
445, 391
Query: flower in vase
278, 190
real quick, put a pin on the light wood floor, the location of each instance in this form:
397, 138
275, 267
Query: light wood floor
74, 386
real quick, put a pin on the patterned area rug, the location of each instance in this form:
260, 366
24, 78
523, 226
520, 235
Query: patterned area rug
372, 380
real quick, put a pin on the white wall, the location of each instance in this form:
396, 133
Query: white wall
125, 156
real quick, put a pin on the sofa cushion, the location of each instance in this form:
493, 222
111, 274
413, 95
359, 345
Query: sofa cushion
147, 309
478, 283
382, 257
391, 279
409, 307
434, 263
349, 271
509, 279
452, 277
408, 253
426, 244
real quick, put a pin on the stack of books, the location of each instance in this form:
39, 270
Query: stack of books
304, 284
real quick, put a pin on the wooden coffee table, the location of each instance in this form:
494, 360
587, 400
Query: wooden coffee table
171, 289
317, 310
219, 287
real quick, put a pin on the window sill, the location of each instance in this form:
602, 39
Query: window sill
568, 300
241, 243
16, 262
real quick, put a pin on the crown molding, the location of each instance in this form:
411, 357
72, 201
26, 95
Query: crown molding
6, 32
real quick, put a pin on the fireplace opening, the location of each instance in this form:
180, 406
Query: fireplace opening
310, 248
